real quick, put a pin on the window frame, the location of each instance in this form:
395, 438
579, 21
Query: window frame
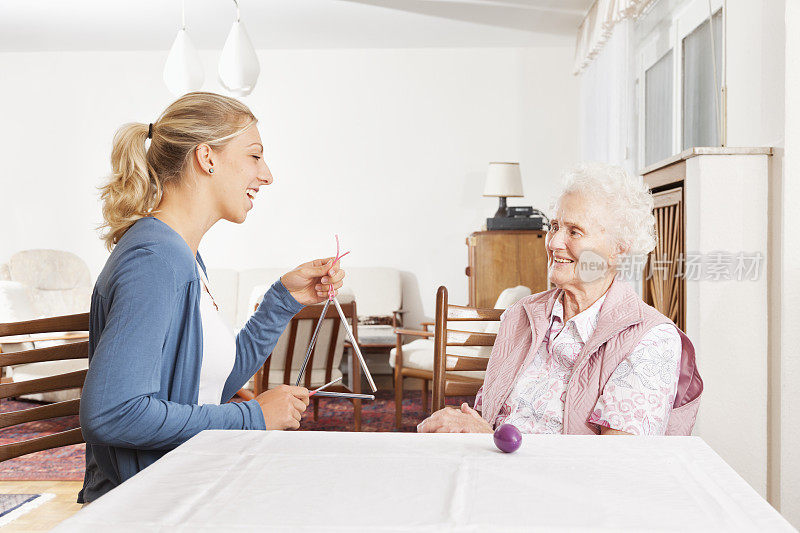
668, 35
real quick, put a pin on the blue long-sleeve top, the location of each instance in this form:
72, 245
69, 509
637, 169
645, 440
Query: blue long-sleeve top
145, 351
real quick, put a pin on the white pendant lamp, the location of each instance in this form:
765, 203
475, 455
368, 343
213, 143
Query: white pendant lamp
238, 63
183, 71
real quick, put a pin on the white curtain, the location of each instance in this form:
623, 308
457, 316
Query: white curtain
608, 111
598, 26
607, 103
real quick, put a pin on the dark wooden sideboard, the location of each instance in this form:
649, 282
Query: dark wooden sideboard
502, 259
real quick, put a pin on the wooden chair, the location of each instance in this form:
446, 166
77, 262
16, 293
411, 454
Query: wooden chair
286, 359
77, 350
419, 361
445, 384
401, 372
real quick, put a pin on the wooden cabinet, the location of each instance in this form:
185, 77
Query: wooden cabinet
502, 259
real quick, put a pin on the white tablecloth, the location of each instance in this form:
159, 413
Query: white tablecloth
329, 481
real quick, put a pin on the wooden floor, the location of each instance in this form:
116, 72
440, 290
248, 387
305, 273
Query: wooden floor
49, 514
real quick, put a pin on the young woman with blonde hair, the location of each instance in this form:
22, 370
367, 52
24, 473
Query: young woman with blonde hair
162, 365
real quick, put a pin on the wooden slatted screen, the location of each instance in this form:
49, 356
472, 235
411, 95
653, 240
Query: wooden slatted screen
664, 283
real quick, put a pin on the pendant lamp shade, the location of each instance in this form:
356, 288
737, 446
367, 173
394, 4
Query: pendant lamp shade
183, 71
238, 63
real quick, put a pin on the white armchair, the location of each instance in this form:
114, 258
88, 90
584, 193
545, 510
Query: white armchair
416, 357
37, 284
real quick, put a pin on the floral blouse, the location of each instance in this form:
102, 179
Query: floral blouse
637, 399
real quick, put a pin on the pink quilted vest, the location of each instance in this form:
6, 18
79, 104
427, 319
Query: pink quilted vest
623, 320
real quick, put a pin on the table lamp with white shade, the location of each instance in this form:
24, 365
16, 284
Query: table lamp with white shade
503, 180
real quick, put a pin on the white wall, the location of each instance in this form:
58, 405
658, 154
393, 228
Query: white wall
763, 83
788, 393
727, 319
388, 148
754, 51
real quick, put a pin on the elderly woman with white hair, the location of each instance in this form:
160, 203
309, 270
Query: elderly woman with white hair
589, 356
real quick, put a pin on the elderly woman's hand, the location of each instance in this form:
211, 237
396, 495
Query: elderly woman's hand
452, 420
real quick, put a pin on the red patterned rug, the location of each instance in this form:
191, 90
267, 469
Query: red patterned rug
67, 463
59, 464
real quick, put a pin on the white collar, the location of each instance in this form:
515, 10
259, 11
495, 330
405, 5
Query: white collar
585, 322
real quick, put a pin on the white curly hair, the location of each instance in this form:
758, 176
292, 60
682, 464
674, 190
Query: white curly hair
622, 204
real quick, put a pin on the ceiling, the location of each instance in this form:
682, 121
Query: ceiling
36, 25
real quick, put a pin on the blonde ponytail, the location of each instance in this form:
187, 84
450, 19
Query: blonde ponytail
139, 174
130, 193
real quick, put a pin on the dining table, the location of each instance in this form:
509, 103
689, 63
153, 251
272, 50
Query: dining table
380, 482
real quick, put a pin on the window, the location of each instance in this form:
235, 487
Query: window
679, 75
658, 110
702, 78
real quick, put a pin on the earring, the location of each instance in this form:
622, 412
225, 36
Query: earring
210, 170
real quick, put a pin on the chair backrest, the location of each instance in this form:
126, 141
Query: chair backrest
289, 353
447, 334
70, 380
507, 298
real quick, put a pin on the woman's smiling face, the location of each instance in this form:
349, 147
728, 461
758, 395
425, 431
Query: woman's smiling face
579, 250
239, 172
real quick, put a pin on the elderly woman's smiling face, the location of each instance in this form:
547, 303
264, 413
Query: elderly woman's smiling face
579, 250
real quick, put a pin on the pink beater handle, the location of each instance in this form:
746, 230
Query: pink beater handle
331, 292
